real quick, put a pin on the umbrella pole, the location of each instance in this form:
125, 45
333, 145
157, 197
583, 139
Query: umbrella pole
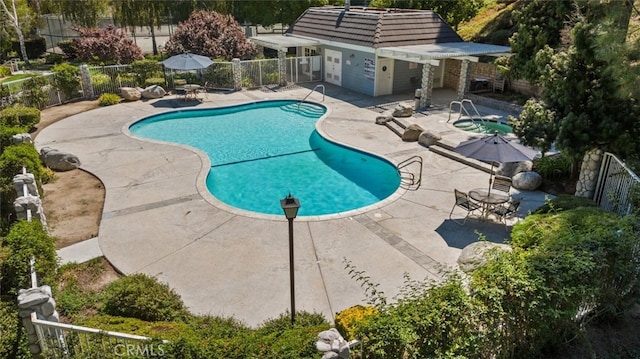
490, 178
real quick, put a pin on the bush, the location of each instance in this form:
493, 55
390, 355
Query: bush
105, 46
20, 116
35, 47
564, 202
12, 159
67, 79
6, 135
145, 69
54, 59
142, 297
108, 99
24, 241
556, 166
13, 341
34, 93
4, 71
154, 81
348, 320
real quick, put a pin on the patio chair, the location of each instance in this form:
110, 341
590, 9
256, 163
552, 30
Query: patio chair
181, 93
464, 202
204, 90
502, 184
504, 212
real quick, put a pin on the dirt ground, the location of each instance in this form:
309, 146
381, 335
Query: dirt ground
73, 202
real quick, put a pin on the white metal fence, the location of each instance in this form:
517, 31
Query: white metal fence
615, 185
19, 90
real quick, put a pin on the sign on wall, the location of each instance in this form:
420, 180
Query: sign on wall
370, 68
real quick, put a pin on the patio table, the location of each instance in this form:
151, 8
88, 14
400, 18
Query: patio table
487, 199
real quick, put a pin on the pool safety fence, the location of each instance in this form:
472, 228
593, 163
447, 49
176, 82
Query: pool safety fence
616, 185
266, 157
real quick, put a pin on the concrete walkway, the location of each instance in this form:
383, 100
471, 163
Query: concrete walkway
159, 218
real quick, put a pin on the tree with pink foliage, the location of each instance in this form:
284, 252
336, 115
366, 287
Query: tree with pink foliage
105, 46
211, 34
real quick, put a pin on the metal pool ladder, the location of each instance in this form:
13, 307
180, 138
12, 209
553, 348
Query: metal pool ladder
408, 179
466, 112
310, 92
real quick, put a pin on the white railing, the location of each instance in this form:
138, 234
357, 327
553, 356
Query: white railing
59, 340
615, 184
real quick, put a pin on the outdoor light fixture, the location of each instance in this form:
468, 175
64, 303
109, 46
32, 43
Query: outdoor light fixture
290, 207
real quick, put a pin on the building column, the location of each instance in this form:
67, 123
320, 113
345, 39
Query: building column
237, 74
282, 67
463, 84
426, 88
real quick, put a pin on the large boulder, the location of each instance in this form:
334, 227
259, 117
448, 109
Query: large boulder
510, 169
130, 93
476, 254
58, 160
412, 133
428, 138
382, 119
528, 181
153, 91
402, 110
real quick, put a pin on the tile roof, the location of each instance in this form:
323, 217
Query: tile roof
374, 28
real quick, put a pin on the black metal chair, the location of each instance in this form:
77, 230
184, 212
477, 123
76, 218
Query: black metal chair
502, 184
464, 202
503, 212
181, 93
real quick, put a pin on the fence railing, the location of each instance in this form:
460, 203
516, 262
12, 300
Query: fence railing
615, 186
51, 96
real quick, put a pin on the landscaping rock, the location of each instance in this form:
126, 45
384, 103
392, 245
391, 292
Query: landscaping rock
130, 93
428, 138
153, 91
381, 120
510, 169
402, 110
476, 254
528, 181
412, 133
57, 160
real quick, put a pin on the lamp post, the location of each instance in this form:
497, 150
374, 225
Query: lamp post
290, 207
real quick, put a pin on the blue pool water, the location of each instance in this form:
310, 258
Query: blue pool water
486, 126
260, 152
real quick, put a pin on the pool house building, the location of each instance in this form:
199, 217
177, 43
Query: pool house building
380, 52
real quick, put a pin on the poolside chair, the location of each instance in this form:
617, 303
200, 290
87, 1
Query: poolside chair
466, 203
181, 93
502, 184
503, 212
204, 90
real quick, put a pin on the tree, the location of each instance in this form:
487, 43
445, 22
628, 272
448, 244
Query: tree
210, 34
147, 13
109, 45
12, 13
452, 11
272, 12
85, 13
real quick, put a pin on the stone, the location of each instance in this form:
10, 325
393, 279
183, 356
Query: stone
47, 309
153, 91
21, 137
381, 120
24, 203
332, 344
412, 133
510, 169
25, 179
58, 160
428, 138
476, 254
130, 93
32, 296
402, 110
528, 181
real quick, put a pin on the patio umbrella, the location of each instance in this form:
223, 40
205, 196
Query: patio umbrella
187, 62
495, 148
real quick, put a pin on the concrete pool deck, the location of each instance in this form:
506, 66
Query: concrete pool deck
159, 218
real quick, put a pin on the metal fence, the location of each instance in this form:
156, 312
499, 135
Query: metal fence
109, 79
46, 95
615, 186
258, 73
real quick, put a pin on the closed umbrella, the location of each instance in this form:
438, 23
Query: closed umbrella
187, 62
495, 148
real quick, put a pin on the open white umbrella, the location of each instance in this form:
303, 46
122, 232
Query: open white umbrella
187, 62
495, 148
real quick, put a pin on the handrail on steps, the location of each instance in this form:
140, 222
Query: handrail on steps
409, 178
462, 108
310, 92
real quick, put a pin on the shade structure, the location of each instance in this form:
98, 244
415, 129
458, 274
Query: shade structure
187, 62
495, 148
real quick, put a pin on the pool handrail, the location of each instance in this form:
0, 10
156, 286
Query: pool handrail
310, 92
462, 108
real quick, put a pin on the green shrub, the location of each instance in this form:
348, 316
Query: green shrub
20, 116
7, 133
154, 81
34, 92
108, 99
556, 166
5, 71
143, 297
99, 79
12, 159
67, 79
54, 59
564, 202
24, 241
145, 69
156, 329
13, 341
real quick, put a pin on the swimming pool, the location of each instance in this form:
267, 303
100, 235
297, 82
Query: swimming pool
483, 126
262, 151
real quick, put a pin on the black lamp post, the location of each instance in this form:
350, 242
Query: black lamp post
290, 207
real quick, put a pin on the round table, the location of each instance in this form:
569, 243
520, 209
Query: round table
488, 199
